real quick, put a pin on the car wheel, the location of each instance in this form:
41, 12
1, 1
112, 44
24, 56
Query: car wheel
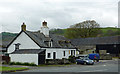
84, 63
76, 62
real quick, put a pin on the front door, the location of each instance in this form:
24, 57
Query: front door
54, 55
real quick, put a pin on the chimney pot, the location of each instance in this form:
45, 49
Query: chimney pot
23, 27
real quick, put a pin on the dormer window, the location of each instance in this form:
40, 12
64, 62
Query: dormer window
64, 43
50, 43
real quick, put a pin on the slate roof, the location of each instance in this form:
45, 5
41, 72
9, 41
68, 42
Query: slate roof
28, 51
42, 41
96, 40
37, 37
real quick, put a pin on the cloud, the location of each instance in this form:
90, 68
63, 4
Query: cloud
58, 13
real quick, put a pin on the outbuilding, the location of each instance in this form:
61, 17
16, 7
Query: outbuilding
112, 49
36, 56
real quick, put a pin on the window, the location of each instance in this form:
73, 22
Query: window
69, 51
49, 55
17, 46
72, 52
63, 53
50, 44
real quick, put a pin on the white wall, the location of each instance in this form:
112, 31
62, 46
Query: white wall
45, 31
30, 58
59, 53
25, 41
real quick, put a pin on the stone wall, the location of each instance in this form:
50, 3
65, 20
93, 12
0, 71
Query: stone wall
105, 57
57, 61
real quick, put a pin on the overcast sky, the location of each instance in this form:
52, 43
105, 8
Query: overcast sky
58, 13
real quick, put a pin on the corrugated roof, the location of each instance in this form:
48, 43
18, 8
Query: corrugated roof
28, 51
96, 40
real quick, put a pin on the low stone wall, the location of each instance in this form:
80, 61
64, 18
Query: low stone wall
105, 57
57, 61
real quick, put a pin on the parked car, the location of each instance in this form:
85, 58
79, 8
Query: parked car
94, 56
84, 61
81, 56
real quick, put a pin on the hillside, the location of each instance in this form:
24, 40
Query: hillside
8, 37
109, 31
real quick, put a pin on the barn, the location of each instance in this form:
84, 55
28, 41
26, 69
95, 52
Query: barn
109, 43
113, 49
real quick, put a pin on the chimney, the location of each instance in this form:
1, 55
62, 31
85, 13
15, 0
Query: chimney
23, 27
44, 24
45, 29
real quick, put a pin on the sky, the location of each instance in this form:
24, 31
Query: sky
58, 13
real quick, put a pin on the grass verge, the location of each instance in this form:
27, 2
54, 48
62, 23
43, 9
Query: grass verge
2, 68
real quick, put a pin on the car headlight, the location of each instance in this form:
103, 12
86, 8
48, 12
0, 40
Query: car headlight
87, 61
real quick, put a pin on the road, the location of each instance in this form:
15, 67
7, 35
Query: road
102, 66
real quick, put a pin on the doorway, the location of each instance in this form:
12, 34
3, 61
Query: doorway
41, 58
54, 55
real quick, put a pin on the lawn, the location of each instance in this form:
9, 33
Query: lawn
11, 68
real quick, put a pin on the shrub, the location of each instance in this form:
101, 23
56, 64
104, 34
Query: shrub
25, 63
71, 59
32, 64
11, 63
4, 62
18, 63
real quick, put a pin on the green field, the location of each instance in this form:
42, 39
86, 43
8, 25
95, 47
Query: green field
11, 68
108, 31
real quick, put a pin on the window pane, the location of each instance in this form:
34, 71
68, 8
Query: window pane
74, 52
69, 51
63, 53
49, 55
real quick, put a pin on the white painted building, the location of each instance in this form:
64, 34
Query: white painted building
36, 47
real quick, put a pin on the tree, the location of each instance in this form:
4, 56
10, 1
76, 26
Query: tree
84, 29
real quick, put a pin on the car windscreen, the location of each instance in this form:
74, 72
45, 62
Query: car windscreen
86, 59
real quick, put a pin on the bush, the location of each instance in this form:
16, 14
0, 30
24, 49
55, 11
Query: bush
29, 64
4, 62
12, 63
71, 59
25, 63
18, 63
32, 64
